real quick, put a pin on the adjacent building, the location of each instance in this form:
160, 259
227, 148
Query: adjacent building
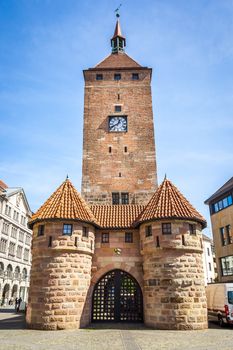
125, 250
15, 244
221, 212
208, 260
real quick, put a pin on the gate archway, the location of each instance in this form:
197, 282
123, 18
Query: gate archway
117, 297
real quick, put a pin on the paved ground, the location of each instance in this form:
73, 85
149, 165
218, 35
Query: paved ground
14, 336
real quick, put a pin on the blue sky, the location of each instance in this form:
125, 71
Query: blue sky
45, 45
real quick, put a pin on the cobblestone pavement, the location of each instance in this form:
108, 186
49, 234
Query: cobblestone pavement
14, 336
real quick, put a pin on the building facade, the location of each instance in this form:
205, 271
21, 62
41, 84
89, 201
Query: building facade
15, 244
209, 260
126, 250
221, 213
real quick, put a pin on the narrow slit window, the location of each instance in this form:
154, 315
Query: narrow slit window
50, 241
126, 149
157, 242
110, 149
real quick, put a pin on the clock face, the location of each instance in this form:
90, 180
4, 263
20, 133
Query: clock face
118, 123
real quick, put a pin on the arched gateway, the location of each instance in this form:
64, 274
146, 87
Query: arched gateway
117, 297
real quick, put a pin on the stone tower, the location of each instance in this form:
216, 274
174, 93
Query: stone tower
118, 140
171, 246
63, 245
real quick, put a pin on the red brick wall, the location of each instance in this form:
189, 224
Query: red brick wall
137, 166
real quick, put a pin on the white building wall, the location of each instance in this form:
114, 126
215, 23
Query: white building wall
208, 261
14, 214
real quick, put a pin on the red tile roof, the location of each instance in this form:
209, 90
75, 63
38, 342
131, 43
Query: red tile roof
168, 203
64, 203
118, 60
117, 216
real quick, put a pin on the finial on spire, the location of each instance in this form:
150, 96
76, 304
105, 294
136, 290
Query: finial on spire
165, 176
67, 177
117, 11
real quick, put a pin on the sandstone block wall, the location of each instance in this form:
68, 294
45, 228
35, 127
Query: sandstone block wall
60, 278
132, 170
174, 292
117, 254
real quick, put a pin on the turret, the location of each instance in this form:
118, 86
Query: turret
118, 42
63, 245
171, 245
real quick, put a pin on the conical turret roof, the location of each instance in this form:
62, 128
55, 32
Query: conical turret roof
168, 203
65, 203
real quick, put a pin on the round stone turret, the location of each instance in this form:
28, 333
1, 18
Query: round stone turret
171, 245
63, 245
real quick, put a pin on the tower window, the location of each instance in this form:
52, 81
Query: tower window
110, 149
166, 228
99, 76
115, 198
135, 76
105, 238
117, 76
124, 198
125, 148
120, 198
148, 231
119, 174
128, 237
118, 96
40, 230
67, 229
85, 231
192, 229
118, 108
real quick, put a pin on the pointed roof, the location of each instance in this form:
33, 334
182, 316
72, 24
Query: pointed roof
117, 31
168, 203
65, 203
118, 60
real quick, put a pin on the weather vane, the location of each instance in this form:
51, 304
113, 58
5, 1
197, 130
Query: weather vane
117, 11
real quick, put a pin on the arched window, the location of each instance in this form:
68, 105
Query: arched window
17, 272
24, 274
9, 271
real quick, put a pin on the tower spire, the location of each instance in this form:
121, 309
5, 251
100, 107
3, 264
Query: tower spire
118, 41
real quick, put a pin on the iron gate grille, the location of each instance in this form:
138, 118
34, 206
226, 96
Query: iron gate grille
117, 297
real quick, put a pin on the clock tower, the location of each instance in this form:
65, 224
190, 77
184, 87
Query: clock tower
119, 165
